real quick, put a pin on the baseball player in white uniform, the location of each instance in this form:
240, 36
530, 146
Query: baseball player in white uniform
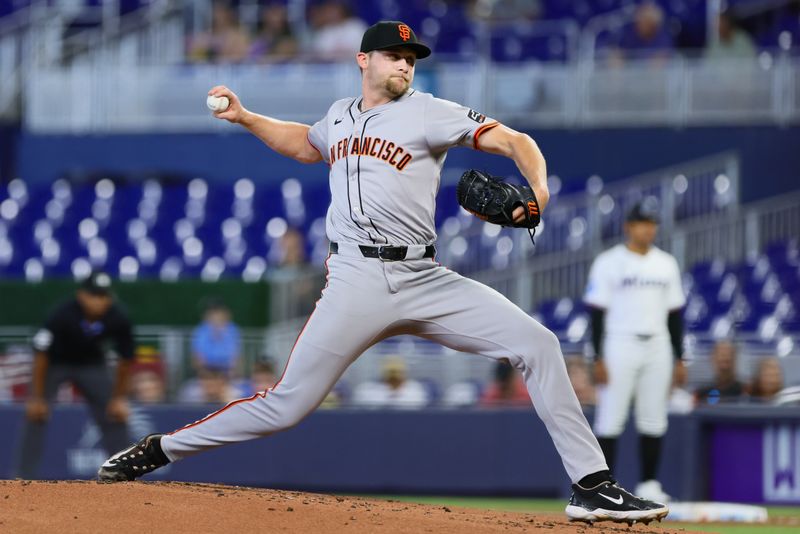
385, 149
635, 298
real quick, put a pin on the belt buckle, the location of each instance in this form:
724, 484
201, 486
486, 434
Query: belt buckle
384, 255
381, 252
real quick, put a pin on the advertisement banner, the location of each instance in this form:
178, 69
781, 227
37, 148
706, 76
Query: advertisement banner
755, 463
782, 463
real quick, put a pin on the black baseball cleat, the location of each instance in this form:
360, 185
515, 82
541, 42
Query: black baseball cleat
135, 461
610, 502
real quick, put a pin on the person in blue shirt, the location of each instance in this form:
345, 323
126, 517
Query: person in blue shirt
216, 342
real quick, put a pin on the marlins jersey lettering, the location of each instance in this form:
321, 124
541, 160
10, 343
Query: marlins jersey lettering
385, 164
637, 291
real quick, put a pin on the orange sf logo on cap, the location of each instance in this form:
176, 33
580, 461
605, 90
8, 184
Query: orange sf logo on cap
405, 32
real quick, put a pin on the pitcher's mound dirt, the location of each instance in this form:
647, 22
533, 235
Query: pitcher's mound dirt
178, 508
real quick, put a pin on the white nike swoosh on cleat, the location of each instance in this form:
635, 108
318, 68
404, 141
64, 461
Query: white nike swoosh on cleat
121, 453
618, 500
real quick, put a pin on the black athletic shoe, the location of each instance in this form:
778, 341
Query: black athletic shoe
609, 502
135, 461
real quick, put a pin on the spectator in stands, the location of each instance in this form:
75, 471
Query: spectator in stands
506, 10
216, 343
289, 252
726, 387
508, 389
263, 376
733, 42
147, 386
647, 37
768, 380
462, 394
210, 387
581, 379
226, 42
336, 32
147, 377
395, 390
334, 398
15, 372
275, 41
299, 278
293, 249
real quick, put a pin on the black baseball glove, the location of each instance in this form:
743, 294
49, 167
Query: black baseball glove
494, 201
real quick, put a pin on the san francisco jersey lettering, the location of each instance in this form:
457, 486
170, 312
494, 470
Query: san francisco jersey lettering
396, 156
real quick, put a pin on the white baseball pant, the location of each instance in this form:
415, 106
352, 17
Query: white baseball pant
638, 370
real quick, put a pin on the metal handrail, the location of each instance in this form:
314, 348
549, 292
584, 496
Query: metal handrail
687, 91
426, 360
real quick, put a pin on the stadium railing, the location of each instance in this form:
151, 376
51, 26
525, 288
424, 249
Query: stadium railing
570, 83
729, 237
579, 225
437, 367
682, 92
169, 345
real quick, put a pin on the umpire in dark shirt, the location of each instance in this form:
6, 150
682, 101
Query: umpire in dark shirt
71, 348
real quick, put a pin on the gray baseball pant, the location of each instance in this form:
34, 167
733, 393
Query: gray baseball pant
365, 301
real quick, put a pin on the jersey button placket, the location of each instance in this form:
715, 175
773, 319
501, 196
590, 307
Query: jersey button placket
353, 161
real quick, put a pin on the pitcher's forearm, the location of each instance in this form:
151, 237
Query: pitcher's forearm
289, 139
525, 153
530, 162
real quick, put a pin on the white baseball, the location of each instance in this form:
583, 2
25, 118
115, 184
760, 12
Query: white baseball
217, 103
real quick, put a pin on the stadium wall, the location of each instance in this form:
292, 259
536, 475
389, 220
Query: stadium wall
769, 155
148, 301
372, 451
734, 453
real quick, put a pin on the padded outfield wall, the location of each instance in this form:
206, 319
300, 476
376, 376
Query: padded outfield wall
148, 302
735, 453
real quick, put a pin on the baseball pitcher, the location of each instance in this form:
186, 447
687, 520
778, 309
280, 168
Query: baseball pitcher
385, 150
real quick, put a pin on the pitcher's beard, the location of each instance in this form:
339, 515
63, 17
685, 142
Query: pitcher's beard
396, 86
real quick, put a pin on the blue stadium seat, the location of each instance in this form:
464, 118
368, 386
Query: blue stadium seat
696, 314
556, 314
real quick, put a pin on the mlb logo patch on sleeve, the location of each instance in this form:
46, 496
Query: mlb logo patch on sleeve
477, 117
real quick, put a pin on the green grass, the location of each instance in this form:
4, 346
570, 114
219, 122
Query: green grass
784, 511
557, 506
733, 529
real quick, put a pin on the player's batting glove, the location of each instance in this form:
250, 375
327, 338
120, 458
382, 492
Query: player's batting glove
494, 201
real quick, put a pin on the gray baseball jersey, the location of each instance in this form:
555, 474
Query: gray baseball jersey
384, 175
385, 164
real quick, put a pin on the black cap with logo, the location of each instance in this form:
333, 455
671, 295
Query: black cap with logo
391, 33
643, 212
97, 283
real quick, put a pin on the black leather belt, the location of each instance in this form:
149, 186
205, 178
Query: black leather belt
386, 252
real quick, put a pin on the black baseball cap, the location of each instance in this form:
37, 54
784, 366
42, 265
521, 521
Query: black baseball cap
97, 283
643, 212
391, 33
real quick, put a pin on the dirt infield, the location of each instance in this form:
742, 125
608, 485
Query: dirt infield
178, 508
